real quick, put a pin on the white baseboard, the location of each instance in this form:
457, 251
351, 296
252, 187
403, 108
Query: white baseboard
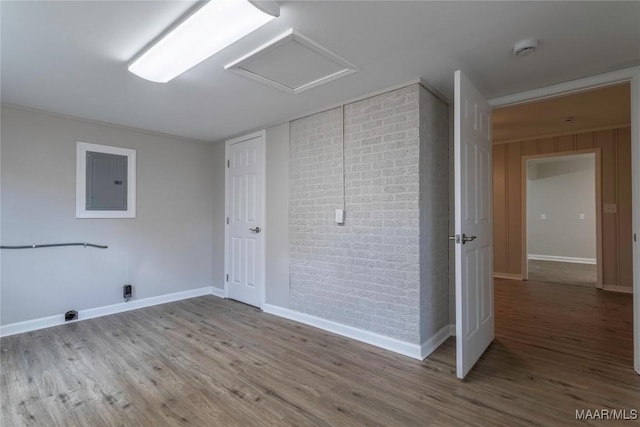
430, 345
419, 352
617, 288
562, 259
47, 322
414, 351
392, 344
509, 276
217, 292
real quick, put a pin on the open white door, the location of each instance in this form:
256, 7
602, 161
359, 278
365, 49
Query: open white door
245, 235
474, 224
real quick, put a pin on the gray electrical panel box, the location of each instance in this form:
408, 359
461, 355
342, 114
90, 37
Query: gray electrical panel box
106, 183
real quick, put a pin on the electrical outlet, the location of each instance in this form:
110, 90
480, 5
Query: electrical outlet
543, 216
127, 292
581, 216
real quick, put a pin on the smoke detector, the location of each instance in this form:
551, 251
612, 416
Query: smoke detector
525, 47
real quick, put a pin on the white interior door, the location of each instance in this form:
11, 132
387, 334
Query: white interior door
474, 225
245, 234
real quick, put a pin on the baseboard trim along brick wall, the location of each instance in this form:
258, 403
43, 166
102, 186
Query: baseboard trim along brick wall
415, 351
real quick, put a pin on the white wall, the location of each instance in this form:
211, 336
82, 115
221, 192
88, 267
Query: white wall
562, 188
218, 164
277, 216
166, 249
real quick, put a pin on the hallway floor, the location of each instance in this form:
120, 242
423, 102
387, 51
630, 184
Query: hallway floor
566, 273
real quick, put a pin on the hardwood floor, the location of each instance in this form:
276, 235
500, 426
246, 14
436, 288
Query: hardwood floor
565, 273
210, 362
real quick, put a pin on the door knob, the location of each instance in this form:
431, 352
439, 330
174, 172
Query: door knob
466, 238
257, 230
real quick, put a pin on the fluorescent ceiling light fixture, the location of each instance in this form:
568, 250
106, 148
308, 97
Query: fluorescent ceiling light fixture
206, 32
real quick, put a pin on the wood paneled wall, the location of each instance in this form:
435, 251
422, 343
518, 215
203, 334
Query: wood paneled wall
616, 189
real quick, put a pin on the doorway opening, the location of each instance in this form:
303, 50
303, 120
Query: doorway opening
546, 232
595, 122
562, 205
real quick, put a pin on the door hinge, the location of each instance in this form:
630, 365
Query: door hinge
228, 163
634, 237
227, 277
227, 220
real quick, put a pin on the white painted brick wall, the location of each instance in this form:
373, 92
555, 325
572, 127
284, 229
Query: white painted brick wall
365, 273
434, 214
386, 269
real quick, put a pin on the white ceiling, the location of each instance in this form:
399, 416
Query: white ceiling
71, 57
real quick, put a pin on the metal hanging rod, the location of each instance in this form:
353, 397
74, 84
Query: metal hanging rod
52, 245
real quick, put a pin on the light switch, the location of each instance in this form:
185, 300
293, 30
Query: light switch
543, 216
581, 216
339, 216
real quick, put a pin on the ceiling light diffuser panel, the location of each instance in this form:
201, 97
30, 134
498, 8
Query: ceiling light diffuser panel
207, 31
292, 63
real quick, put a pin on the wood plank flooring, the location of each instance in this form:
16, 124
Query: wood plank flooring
213, 362
566, 273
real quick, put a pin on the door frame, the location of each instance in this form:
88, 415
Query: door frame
262, 134
598, 188
627, 75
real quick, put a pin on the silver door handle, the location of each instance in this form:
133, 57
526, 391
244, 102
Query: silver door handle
466, 239
257, 230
